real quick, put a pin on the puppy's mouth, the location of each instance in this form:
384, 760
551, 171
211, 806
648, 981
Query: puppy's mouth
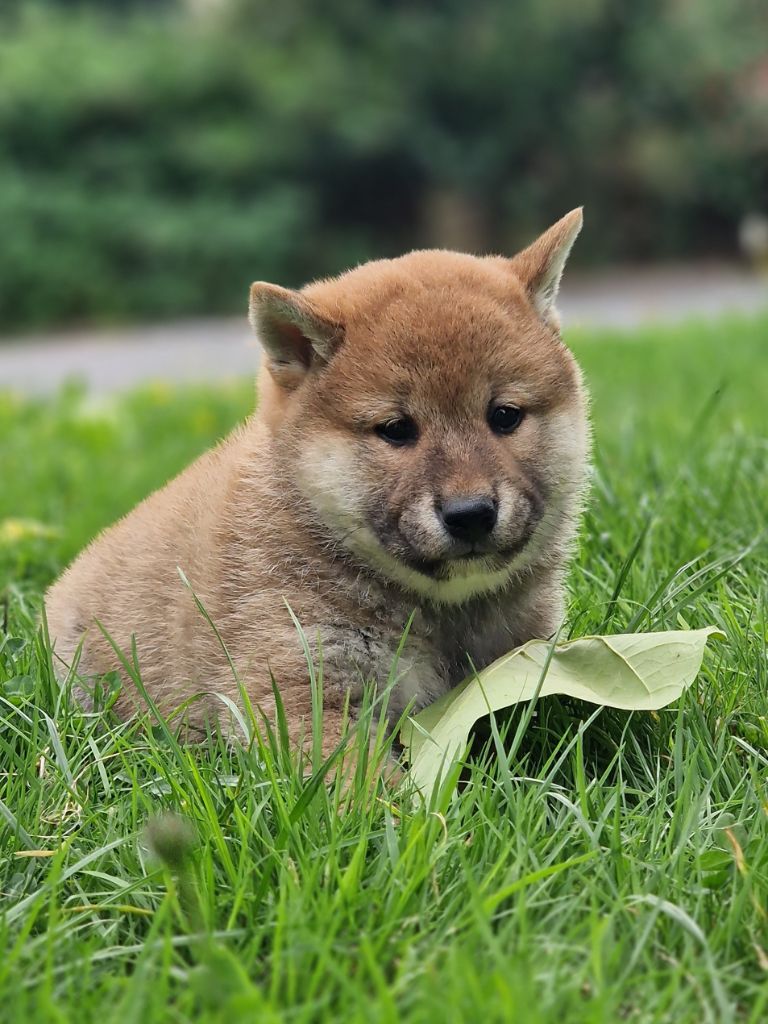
468, 557
464, 552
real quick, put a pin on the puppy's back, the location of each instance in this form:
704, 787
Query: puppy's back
127, 579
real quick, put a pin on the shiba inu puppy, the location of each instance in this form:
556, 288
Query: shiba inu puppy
420, 448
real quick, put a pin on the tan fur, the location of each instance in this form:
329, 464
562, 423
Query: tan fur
307, 504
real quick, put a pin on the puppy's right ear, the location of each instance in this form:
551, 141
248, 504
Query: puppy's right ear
295, 335
540, 266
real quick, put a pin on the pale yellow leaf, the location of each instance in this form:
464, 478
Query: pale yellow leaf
632, 671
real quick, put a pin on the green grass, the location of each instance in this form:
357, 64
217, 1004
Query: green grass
615, 868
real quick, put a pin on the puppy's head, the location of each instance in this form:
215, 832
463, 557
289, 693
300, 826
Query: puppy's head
429, 414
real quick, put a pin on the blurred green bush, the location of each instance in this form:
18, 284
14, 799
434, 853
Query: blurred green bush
154, 159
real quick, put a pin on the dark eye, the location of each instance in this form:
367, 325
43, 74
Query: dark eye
398, 432
503, 419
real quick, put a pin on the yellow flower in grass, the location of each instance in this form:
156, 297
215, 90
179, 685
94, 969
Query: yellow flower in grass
13, 531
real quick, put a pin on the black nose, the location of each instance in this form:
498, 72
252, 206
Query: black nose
469, 519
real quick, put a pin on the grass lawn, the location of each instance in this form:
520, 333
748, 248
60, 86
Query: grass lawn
615, 867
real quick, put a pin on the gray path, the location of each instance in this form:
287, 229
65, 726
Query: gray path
205, 350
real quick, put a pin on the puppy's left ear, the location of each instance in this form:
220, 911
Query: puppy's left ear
540, 266
297, 336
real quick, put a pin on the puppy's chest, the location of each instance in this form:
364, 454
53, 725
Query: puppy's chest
436, 654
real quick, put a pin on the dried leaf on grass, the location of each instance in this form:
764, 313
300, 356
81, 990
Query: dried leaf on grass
632, 671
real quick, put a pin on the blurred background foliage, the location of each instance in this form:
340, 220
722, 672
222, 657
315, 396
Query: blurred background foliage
157, 157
